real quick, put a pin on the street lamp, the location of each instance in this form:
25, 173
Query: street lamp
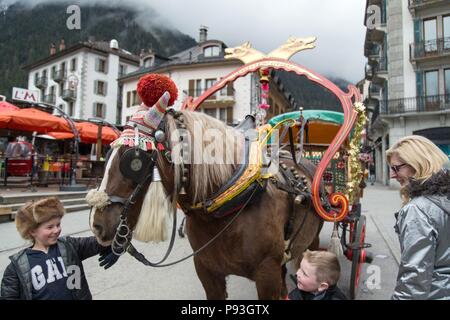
73, 186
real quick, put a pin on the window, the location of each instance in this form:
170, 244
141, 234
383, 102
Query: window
100, 87
148, 62
208, 84
128, 99
63, 69
447, 84
222, 114
52, 90
36, 76
431, 83
73, 64
122, 70
430, 35
70, 109
211, 51
53, 72
195, 87
446, 31
99, 110
432, 102
101, 65
136, 99
44, 73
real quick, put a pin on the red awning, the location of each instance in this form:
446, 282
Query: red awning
88, 132
6, 106
32, 120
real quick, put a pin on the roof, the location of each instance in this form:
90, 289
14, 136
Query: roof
100, 46
190, 56
311, 115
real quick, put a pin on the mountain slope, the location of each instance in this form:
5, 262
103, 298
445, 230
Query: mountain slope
26, 35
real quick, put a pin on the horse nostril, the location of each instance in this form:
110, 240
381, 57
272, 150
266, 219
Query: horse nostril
99, 228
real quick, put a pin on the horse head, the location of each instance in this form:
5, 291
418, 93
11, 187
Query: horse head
132, 195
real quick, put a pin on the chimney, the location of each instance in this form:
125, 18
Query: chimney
203, 34
52, 49
62, 45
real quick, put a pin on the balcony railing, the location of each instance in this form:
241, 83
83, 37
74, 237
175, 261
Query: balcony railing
374, 51
417, 104
41, 82
430, 48
375, 91
381, 65
49, 98
59, 75
69, 95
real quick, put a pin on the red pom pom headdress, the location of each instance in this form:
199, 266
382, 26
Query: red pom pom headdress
152, 86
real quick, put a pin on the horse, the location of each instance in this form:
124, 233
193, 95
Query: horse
252, 246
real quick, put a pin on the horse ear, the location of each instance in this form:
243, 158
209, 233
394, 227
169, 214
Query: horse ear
154, 115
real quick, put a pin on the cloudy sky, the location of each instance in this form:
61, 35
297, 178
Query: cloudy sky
338, 24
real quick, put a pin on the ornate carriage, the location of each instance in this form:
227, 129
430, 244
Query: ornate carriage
331, 140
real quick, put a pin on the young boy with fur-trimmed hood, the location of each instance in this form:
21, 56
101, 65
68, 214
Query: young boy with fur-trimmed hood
52, 267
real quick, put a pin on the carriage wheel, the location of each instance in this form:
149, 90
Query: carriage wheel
358, 254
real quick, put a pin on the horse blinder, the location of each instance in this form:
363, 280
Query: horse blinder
136, 164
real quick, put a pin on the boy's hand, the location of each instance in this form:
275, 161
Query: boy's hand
107, 258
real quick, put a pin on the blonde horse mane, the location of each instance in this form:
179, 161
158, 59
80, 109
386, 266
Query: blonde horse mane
212, 162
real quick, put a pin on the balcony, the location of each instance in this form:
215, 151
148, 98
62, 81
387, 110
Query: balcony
49, 98
69, 95
380, 72
59, 75
375, 91
41, 82
430, 49
417, 104
415, 5
376, 33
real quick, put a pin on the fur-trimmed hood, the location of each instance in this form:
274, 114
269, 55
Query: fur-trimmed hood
437, 185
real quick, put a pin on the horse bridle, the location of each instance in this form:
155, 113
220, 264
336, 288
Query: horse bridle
122, 239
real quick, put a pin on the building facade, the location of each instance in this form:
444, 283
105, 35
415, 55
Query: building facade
82, 79
197, 69
408, 69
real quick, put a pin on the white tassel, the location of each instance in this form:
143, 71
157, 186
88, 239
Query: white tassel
335, 245
152, 222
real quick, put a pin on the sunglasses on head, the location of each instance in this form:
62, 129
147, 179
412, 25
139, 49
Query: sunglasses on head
397, 168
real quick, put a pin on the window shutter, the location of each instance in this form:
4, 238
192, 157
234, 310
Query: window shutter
97, 64
103, 111
128, 99
417, 33
95, 86
230, 115
191, 88
420, 90
106, 66
230, 90
105, 88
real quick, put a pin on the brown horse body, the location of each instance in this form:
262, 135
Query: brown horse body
252, 246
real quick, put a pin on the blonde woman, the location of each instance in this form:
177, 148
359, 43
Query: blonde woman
423, 223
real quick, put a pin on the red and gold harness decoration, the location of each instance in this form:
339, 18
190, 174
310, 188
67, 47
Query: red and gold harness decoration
253, 172
128, 138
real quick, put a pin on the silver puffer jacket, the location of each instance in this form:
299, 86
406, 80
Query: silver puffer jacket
423, 227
